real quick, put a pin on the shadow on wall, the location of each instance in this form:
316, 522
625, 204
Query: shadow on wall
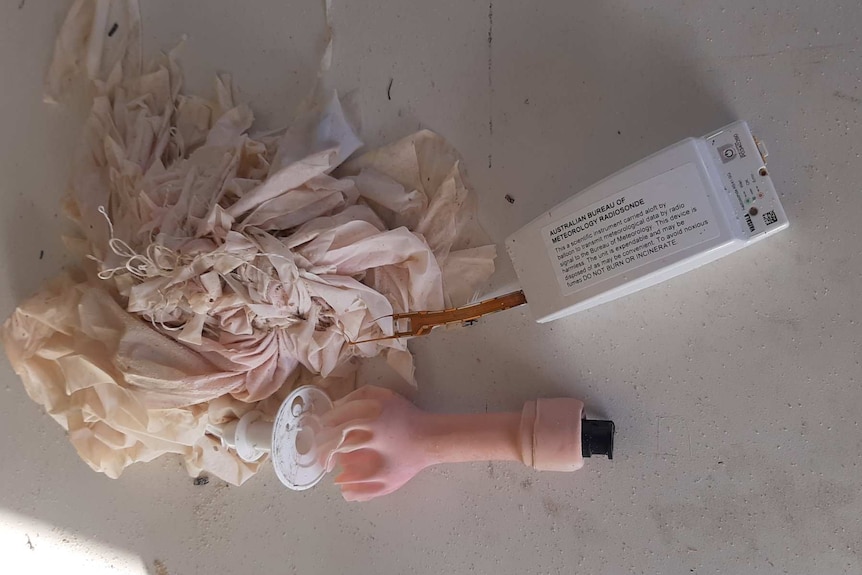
570, 102
579, 91
33, 248
486, 369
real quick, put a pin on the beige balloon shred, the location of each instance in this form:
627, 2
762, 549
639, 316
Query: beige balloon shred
220, 270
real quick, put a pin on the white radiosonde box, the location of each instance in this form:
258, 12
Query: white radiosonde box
678, 209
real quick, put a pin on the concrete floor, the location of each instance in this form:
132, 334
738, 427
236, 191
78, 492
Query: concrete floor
736, 389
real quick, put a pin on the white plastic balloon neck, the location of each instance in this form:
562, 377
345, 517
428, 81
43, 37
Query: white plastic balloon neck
253, 437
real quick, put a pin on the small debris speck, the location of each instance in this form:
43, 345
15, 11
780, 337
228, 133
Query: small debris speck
510, 199
202, 480
619, 133
41, 254
113, 29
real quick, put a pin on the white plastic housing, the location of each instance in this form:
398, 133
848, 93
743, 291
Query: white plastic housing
295, 454
678, 209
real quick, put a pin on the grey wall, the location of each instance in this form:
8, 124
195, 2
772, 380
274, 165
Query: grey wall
735, 388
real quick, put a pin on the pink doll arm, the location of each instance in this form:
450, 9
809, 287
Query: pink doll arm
381, 440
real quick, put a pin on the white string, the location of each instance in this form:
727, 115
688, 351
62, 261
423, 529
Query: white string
162, 261
158, 260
